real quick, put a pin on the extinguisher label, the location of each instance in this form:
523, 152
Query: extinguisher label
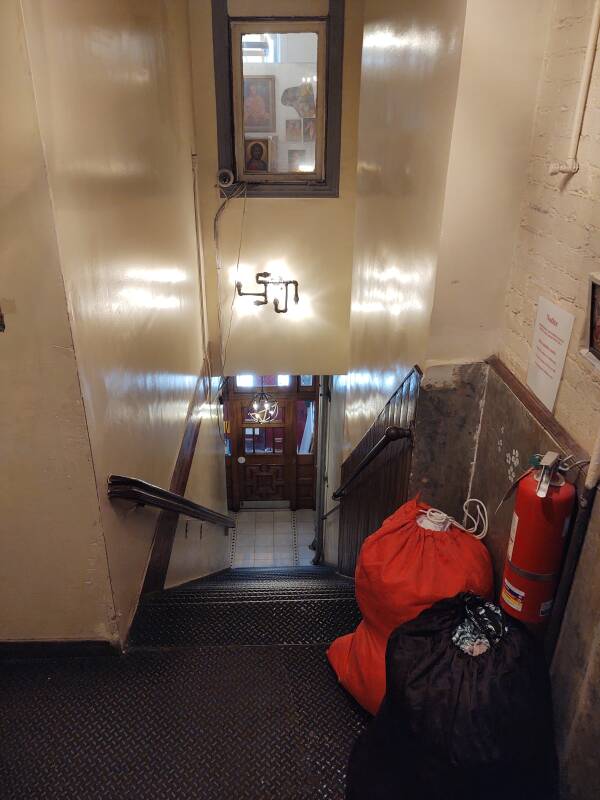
512, 596
513, 534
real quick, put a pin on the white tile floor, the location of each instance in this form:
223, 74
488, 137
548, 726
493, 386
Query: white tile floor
277, 538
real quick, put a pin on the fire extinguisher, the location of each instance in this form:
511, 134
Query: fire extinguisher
538, 534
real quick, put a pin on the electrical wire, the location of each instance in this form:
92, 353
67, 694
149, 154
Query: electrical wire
238, 190
237, 269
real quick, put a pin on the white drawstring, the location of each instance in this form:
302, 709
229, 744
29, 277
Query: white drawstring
479, 518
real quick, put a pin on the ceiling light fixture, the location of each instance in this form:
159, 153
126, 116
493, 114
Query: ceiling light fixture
263, 408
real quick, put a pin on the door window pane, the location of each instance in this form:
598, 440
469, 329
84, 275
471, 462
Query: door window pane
305, 426
306, 380
263, 441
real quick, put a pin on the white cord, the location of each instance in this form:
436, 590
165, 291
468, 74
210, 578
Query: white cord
479, 518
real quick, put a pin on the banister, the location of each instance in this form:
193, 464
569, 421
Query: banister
146, 494
392, 434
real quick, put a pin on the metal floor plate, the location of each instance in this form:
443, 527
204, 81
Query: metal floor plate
233, 721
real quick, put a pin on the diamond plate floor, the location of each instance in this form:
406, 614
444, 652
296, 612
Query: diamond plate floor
236, 700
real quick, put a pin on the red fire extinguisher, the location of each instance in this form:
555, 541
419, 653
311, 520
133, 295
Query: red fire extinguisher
538, 534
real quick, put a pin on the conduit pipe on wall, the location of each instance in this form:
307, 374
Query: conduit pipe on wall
571, 165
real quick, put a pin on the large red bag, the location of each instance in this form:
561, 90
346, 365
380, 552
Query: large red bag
403, 569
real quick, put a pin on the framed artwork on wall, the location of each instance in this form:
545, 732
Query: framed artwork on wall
259, 104
293, 130
295, 160
257, 155
309, 129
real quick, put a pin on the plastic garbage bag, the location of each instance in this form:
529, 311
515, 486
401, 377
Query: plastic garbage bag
467, 712
403, 569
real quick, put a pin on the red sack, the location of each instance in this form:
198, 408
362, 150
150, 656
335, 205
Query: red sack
403, 569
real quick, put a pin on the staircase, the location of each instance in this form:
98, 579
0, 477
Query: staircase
225, 693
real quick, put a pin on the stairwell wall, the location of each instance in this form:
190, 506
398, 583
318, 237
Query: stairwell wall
112, 83
54, 581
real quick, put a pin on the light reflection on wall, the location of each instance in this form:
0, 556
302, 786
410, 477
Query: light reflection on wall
426, 41
139, 291
410, 67
393, 290
157, 274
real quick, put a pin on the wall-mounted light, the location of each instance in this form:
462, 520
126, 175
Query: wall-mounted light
265, 279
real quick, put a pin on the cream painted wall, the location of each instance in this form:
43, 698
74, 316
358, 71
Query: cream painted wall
54, 581
335, 454
558, 242
503, 46
200, 548
410, 64
312, 237
113, 93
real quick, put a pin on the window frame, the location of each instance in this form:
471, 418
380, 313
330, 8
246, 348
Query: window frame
331, 98
238, 30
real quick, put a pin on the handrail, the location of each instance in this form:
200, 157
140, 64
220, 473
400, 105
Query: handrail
146, 494
392, 434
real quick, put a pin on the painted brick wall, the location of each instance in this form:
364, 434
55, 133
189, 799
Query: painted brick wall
558, 242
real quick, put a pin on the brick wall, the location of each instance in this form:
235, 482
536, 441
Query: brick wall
558, 242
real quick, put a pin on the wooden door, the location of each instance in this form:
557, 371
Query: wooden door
277, 460
264, 456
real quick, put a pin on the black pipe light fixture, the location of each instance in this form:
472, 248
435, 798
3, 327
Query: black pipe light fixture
265, 279
263, 408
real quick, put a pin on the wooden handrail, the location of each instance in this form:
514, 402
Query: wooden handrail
392, 434
146, 494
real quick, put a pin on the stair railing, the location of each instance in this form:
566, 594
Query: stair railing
146, 494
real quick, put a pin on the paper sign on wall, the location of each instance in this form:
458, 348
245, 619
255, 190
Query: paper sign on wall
551, 334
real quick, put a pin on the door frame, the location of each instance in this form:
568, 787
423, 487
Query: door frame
236, 399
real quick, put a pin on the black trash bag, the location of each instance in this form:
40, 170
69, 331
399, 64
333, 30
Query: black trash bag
456, 725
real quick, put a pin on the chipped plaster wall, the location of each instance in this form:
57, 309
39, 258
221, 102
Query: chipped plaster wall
558, 240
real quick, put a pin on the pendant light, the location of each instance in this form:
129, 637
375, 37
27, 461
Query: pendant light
263, 408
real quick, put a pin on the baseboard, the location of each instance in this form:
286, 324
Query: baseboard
58, 649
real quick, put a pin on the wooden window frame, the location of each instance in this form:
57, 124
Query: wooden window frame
329, 186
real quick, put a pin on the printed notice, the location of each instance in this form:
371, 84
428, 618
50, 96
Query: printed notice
551, 334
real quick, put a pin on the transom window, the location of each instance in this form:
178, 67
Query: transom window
279, 89
256, 381
278, 84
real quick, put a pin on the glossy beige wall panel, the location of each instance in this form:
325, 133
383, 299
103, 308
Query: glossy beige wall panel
335, 455
309, 239
112, 81
410, 65
201, 548
54, 580
502, 52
